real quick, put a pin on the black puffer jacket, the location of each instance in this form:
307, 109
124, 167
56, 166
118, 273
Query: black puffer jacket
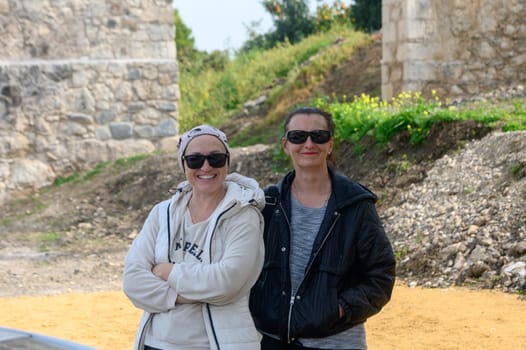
352, 264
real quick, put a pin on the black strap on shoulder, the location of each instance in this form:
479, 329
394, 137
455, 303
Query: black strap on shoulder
271, 201
271, 195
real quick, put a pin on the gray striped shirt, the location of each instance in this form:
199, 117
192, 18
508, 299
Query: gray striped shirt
305, 224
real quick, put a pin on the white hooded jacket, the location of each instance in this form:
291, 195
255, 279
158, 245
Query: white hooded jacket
231, 262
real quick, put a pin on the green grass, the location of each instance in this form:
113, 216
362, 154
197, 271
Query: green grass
400, 253
129, 161
413, 114
35, 205
399, 167
121, 162
516, 169
48, 239
211, 96
96, 171
61, 180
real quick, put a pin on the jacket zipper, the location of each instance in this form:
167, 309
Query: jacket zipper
210, 257
307, 270
291, 303
142, 337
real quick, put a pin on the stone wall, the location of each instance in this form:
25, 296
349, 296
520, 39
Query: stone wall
457, 48
83, 82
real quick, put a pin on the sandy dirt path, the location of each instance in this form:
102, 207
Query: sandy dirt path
415, 319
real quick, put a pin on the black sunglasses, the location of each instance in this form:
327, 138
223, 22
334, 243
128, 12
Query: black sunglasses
216, 160
300, 136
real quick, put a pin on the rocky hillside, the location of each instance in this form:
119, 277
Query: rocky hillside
465, 223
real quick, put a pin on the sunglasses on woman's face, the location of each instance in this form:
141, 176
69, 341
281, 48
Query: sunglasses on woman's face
196, 161
300, 136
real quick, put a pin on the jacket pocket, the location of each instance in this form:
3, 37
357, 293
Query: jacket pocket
315, 312
265, 299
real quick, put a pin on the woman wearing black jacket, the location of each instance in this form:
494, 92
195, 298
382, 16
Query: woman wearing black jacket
328, 262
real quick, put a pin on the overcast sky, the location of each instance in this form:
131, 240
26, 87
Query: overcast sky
218, 24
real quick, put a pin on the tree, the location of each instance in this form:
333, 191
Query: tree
337, 13
291, 19
184, 40
367, 14
190, 58
256, 40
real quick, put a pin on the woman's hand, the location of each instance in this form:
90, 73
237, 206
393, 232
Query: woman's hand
162, 270
342, 311
183, 300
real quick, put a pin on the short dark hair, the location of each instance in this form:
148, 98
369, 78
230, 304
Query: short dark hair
309, 110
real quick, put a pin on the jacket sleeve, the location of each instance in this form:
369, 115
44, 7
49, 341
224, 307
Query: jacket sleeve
377, 268
225, 280
145, 290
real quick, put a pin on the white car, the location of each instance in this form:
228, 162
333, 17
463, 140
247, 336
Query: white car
21, 340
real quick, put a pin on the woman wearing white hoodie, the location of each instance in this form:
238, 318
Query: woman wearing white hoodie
198, 254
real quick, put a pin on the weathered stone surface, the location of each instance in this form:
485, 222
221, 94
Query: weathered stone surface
27, 173
86, 29
425, 37
79, 78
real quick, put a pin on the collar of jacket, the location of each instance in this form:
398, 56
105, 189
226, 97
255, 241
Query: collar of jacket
345, 191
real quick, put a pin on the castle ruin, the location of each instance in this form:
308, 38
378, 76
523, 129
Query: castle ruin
83, 82
456, 48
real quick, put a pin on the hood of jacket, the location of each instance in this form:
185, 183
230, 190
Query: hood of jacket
345, 191
240, 189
